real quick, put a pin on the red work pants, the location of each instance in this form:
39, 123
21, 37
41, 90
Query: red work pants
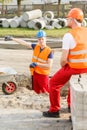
40, 83
57, 82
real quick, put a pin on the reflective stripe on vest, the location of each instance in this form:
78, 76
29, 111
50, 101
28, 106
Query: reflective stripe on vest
77, 60
78, 52
39, 59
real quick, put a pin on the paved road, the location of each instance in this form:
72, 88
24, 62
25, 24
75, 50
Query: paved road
20, 59
31, 120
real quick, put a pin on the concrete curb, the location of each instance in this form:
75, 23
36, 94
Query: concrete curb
52, 42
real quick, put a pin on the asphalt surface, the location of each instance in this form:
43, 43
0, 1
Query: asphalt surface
31, 120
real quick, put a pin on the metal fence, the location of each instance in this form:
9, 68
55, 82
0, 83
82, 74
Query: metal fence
11, 10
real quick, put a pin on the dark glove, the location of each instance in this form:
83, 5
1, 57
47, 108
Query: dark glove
8, 38
33, 65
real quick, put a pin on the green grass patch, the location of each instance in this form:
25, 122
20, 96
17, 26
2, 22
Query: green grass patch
26, 32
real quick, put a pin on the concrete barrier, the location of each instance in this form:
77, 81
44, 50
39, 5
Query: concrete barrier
78, 101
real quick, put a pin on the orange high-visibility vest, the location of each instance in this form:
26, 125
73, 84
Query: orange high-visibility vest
78, 56
41, 57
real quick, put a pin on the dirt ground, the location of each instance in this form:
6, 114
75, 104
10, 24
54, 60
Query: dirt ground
24, 100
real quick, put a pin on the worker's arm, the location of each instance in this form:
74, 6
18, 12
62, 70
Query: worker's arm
22, 42
46, 65
64, 56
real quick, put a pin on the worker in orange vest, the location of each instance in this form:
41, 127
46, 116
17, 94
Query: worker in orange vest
73, 60
42, 60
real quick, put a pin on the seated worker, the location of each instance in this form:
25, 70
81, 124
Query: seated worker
73, 60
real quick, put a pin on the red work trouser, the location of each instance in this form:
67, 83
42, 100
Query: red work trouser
40, 83
57, 82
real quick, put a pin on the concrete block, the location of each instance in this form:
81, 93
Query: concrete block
78, 86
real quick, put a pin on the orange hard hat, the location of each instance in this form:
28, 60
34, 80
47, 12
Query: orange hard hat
76, 13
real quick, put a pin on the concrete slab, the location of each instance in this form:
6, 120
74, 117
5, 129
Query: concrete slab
31, 120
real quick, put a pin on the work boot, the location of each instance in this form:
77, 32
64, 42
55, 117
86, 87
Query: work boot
51, 114
69, 109
70, 119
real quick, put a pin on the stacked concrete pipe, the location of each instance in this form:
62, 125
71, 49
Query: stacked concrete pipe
48, 15
30, 15
23, 24
6, 23
36, 24
15, 22
35, 19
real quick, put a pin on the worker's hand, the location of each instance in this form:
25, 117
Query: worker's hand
8, 38
33, 65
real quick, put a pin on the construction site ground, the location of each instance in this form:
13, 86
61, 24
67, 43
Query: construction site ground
23, 109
